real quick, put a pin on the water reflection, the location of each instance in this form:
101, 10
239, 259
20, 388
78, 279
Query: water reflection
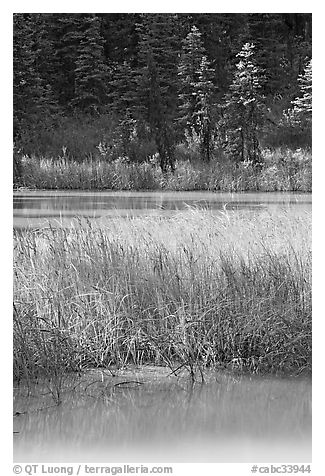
139, 414
32, 206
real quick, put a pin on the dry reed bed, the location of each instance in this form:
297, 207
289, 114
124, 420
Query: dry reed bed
189, 291
281, 171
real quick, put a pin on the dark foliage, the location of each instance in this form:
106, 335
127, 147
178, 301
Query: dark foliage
163, 79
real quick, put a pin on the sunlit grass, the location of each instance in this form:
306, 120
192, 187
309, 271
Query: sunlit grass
188, 291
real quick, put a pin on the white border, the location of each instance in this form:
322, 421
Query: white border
318, 198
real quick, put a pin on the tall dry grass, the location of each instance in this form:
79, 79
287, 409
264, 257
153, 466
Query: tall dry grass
283, 170
188, 291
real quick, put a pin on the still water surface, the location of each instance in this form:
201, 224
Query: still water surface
39, 208
150, 415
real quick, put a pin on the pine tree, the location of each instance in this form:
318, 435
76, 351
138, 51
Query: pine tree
35, 104
196, 88
267, 32
91, 72
204, 113
222, 35
120, 34
136, 66
188, 72
67, 33
122, 88
243, 109
302, 105
23, 69
27, 84
156, 82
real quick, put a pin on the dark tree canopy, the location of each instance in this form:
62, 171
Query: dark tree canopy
164, 76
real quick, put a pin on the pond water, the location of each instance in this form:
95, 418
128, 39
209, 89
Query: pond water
41, 207
150, 415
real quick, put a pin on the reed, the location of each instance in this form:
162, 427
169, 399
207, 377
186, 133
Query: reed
190, 291
282, 170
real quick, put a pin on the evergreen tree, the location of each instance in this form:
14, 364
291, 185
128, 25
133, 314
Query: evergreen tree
188, 72
204, 113
296, 122
156, 82
243, 109
196, 87
91, 72
23, 89
27, 85
268, 32
302, 105
119, 31
223, 35
34, 101
136, 66
122, 87
67, 33
281, 47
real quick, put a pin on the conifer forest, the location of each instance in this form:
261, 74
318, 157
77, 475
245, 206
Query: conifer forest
162, 94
